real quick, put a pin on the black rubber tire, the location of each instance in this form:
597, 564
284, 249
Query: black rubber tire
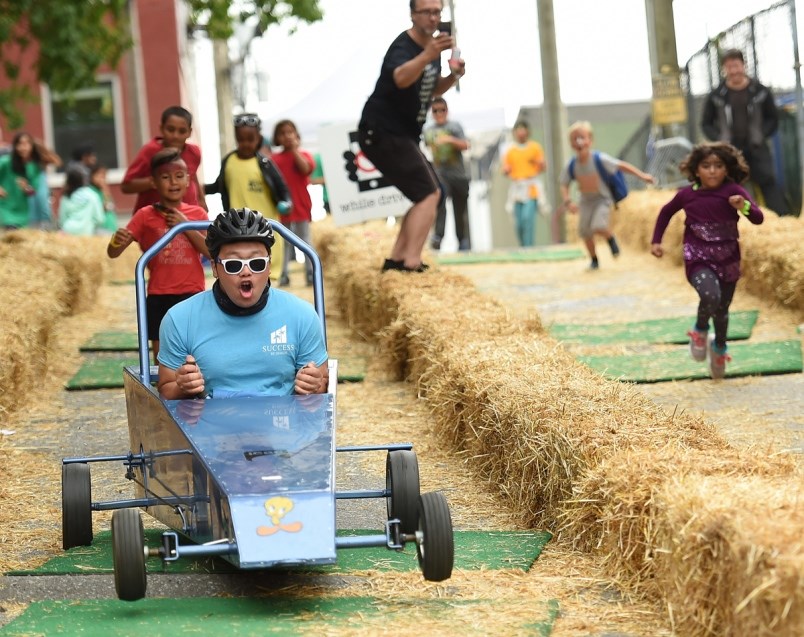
128, 552
402, 481
436, 552
76, 505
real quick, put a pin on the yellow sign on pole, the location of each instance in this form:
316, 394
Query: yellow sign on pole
668, 105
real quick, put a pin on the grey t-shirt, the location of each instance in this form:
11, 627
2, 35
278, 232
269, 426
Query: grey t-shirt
589, 168
446, 158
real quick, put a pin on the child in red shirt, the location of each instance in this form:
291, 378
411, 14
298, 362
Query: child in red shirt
176, 272
296, 166
176, 127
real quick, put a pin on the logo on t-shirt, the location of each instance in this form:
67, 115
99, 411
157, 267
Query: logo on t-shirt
280, 336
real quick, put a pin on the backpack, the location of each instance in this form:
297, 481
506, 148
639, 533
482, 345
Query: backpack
615, 182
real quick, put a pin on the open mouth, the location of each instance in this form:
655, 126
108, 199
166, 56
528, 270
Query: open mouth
246, 289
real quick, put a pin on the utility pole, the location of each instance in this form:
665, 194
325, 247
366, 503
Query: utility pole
669, 108
223, 88
554, 113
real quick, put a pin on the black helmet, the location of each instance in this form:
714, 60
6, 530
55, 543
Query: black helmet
238, 224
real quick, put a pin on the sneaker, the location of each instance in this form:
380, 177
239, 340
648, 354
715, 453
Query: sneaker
464, 245
435, 242
390, 264
594, 264
400, 266
697, 344
284, 281
615, 249
718, 357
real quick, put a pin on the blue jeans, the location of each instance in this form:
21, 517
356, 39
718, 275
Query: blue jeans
525, 220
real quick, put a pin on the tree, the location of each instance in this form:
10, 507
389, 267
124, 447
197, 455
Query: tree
217, 17
77, 37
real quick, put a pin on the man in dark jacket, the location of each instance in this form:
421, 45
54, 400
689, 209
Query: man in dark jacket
741, 111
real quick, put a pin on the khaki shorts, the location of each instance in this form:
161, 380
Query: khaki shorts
594, 215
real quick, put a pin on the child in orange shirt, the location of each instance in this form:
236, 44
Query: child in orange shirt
523, 163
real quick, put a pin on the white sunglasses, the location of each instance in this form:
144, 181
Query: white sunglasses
235, 266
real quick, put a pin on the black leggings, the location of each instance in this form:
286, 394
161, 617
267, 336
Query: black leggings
716, 297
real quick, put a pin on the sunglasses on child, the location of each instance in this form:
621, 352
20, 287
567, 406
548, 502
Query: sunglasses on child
235, 266
247, 120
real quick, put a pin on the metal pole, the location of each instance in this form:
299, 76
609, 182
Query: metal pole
799, 94
554, 114
223, 94
662, 45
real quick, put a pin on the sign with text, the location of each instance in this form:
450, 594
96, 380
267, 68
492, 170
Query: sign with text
669, 105
357, 190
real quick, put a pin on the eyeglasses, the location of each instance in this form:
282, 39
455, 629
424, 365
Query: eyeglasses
246, 120
439, 110
235, 266
430, 13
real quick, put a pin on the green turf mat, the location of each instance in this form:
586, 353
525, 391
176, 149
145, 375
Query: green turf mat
351, 369
107, 372
473, 550
101, 373
671, 330
781, 357
239, 617
512, 256
112, 342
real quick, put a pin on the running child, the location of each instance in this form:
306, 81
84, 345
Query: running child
175, 273
249, 179
175, 129
296, 166
713, 204
596, 200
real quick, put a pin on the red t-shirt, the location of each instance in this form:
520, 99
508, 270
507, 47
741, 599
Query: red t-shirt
177, 268
297, 184
141, 167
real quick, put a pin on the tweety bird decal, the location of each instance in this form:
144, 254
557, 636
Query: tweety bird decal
276, 509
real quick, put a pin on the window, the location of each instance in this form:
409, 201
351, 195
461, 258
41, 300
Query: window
90, 115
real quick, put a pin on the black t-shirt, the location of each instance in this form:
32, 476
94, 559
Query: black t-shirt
738, 100
401, 111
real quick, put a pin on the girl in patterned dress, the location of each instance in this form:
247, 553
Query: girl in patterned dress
713, 204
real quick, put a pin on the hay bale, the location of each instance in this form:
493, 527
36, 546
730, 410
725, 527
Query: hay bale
592, 460
45, 276
772, 253
735, 559
716, 537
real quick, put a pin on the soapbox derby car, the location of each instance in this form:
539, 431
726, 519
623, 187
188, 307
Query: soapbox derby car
247, 479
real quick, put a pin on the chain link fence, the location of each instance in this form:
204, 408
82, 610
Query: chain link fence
766, 39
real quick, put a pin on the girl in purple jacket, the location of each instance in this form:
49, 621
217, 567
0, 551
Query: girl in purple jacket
713, 204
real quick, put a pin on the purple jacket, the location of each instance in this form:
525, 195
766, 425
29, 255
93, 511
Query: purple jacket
711, 238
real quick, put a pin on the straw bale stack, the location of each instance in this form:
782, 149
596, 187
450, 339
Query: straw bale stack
736, 558
772, 253
45, 276
716, 536
592, 460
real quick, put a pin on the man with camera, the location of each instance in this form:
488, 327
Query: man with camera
391, 124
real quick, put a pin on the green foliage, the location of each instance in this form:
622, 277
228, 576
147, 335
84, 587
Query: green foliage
218, 17
75, 38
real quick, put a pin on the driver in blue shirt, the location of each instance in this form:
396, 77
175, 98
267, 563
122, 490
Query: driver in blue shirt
242, 337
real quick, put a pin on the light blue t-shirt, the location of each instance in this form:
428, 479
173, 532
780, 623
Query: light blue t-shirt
255, 355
